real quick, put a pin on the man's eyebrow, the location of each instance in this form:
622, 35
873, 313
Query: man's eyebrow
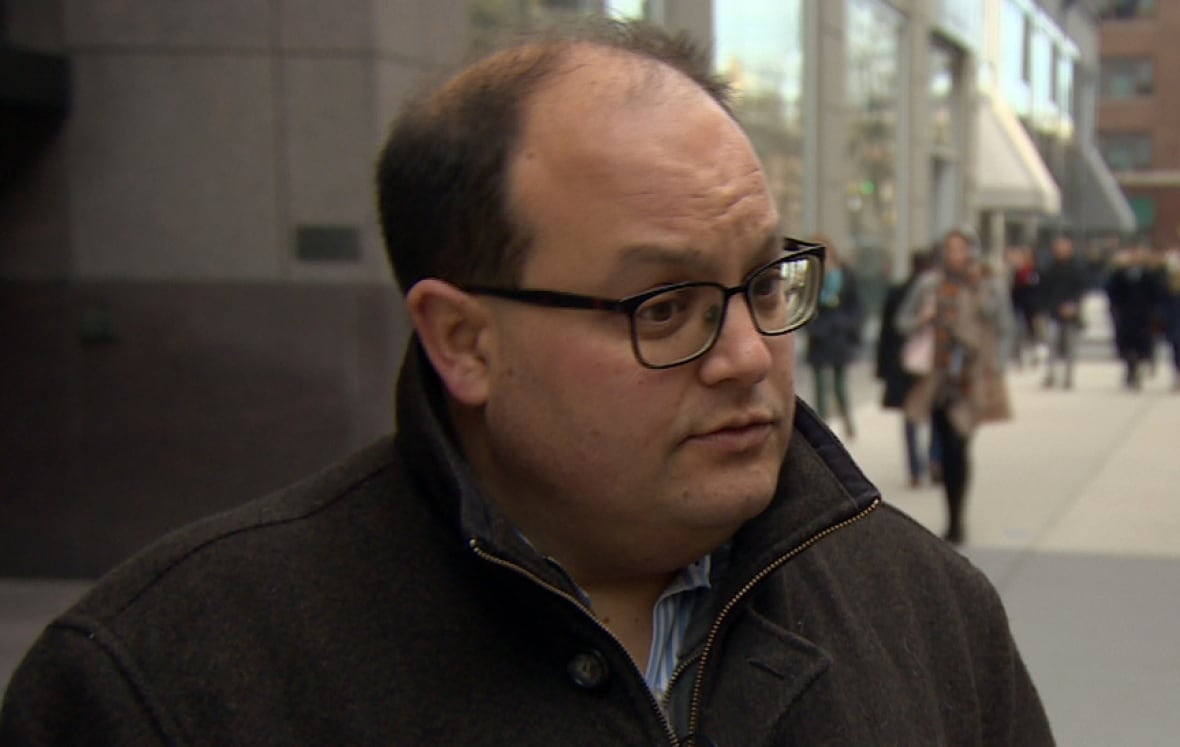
655, 254
640, 254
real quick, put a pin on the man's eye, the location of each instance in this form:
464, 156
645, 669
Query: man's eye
663, 309
767, 284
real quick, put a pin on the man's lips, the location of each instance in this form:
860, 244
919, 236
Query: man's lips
736, 435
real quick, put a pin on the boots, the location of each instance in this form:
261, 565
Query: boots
954, 533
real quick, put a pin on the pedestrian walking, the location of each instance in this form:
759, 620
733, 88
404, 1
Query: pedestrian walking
893, 375
1023, 281
1134, 292
967, 310
1170, 309
834, 336
1062, 285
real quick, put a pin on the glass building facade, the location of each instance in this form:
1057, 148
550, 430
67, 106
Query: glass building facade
874, 93
759, 46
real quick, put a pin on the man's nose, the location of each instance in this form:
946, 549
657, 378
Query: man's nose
741, 351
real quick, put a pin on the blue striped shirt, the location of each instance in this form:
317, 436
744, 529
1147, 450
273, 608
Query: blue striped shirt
669, 623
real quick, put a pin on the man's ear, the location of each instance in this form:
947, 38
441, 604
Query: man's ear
453, 328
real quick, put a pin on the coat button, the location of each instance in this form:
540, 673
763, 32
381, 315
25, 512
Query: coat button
588, 670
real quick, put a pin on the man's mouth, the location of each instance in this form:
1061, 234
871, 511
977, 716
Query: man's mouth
737, 435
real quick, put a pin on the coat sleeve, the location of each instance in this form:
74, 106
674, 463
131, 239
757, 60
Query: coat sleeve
969, 631
1013, 713
70, 690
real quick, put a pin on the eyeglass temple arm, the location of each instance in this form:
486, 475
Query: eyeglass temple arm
555, 299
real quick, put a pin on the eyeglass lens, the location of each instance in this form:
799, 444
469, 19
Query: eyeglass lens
682, 323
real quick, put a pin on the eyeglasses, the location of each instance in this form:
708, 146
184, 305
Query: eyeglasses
676, 324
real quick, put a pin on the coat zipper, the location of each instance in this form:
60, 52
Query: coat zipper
694, 715
520, 570
714, 631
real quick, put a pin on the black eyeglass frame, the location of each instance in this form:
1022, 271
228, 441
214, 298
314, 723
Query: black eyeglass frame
794, 249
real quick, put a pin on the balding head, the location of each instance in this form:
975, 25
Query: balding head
442, 176
631, 181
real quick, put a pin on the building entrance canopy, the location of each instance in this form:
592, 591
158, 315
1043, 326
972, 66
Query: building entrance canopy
1102, 204
1011, 175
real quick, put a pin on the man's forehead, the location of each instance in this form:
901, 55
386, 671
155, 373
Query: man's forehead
592, 80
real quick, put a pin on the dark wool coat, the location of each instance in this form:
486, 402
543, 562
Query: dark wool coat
1062, 281
833, 336
385, 602
889, 369
1134, 293
1170, 304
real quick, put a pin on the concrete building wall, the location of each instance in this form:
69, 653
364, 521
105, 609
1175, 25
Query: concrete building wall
917, 201
168, 353
829, 139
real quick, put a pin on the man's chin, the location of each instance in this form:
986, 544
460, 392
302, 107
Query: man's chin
734, 502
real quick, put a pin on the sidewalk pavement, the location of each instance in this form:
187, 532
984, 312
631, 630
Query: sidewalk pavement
1073, 513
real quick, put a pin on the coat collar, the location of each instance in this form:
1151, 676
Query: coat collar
819, 485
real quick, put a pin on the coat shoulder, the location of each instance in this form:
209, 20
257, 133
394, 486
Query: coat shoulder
246, 540
893, 551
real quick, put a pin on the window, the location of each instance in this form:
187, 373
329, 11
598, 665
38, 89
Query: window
1055, 75
874, 86
1026, 50
1144, 207
946, 130
494, 21
1044, 106
1126, 9
1126, 151
1126, 77
628, 9
759, 46
1065, 92
944, 105
1012, 65
493, 17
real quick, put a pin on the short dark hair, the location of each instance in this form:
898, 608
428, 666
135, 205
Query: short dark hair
442, 176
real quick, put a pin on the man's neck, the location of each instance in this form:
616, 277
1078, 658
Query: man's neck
625, 608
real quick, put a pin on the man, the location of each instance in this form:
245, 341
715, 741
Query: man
1134, 289
1063, 282
589, 529
1023, 281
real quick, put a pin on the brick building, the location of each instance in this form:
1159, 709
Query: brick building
1139, 111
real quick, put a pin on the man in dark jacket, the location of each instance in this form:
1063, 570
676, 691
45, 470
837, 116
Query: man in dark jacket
1134, 289
833, 336
589, 529
1062, 285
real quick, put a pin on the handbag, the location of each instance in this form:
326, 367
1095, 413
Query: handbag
917, 354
